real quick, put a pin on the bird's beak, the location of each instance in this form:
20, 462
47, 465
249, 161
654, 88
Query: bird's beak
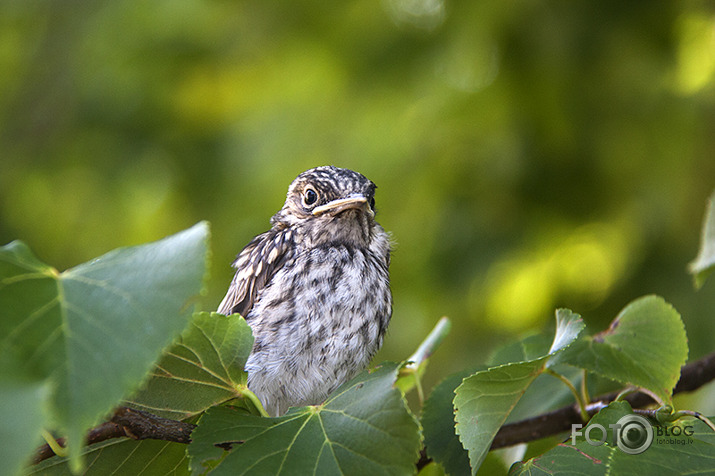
336, 206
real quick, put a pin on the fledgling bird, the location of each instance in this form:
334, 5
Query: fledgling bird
315, 290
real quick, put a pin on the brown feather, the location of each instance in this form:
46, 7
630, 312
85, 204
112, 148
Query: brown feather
255, 266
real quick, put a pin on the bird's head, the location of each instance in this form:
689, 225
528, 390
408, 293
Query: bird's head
329, 204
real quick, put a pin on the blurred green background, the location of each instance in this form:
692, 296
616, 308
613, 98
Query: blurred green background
529, 155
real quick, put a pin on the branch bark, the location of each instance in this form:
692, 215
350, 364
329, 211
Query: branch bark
139, 425
692, 376
134, 424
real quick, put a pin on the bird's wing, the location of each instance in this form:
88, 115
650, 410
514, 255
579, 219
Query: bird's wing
255, 266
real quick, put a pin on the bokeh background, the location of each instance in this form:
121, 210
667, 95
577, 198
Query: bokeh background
529, 155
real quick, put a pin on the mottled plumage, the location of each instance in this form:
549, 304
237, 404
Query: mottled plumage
314, 289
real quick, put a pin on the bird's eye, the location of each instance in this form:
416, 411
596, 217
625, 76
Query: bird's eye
310, 197
372, 203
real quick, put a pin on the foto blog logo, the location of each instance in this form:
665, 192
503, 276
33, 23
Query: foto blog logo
632, 434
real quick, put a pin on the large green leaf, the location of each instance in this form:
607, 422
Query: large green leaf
203, 368
441, 440
22, 416
123, 457
484, 400
363, 428
645, 346
681, 454
545, 392
704, 264
95, 330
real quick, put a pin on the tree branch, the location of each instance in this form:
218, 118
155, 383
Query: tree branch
692, 376
134, 424
140, 425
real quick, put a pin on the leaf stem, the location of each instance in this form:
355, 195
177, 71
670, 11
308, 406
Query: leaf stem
418, 385
431, 342
630, 390
579, 398
667, 415
700, 417
584, 387
415, 364
53, 444
246, 393
624, 393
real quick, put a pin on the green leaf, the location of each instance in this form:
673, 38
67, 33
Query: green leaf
22, 416
529, 348
645, 346
545, 392
667, 454
497, 462
441, 440
704, 264
123, 456
484, 401
202, 369
95, 330
568, 327
431, 469
363, 428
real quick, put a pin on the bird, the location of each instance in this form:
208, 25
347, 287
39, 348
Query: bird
315, 290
